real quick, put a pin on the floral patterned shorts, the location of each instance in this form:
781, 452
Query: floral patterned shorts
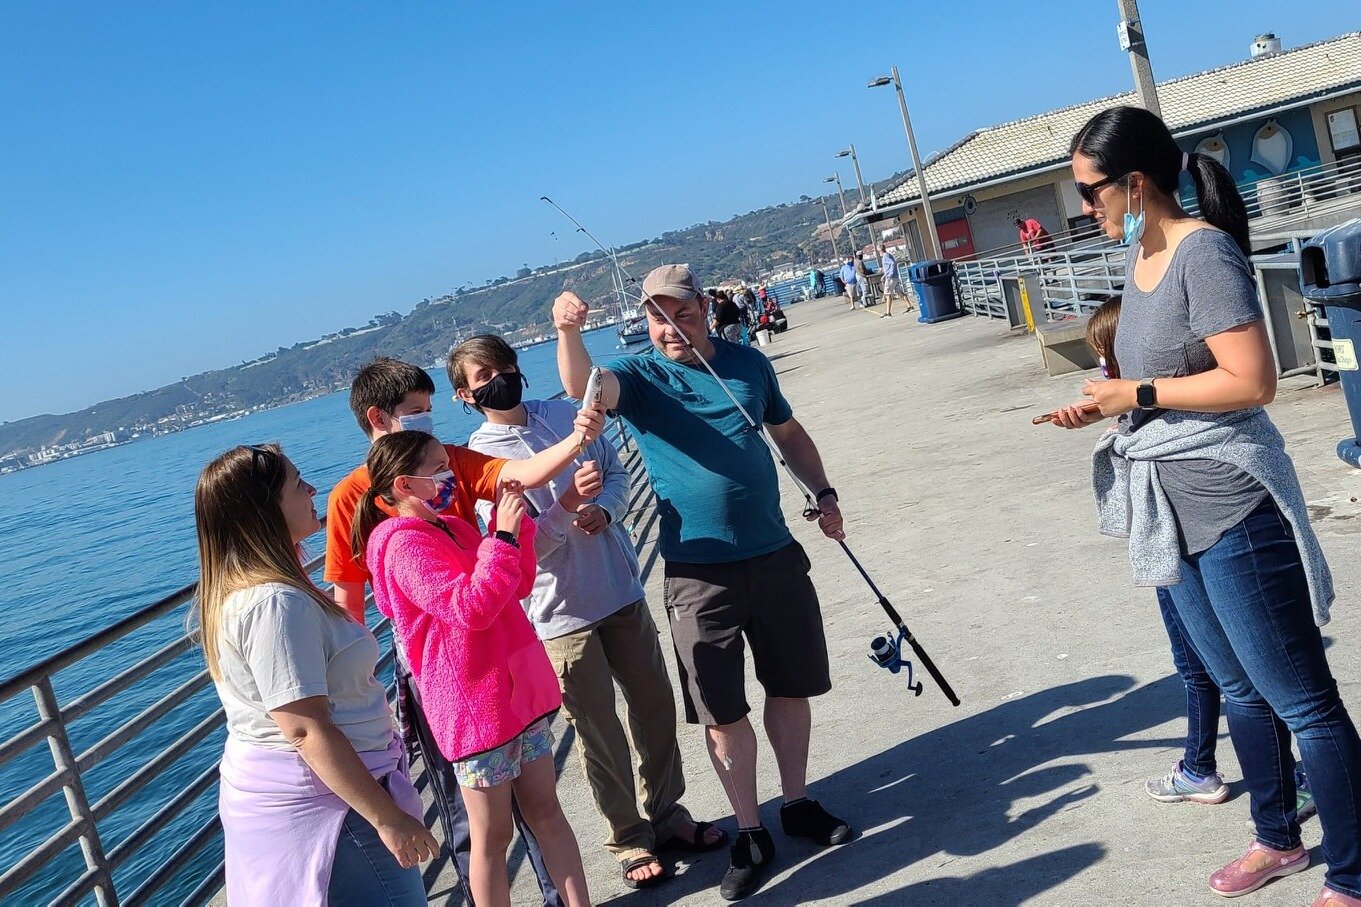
505, 762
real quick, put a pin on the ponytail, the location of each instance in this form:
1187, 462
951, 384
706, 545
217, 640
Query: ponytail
1124, 140
396, 454
1220, 202
366, 519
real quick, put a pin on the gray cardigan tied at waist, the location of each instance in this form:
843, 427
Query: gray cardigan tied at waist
1131, 503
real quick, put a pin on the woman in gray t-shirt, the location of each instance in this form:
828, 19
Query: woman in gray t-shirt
1191, 339
315, 802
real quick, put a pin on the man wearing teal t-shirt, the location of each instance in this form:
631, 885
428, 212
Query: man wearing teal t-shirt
732, 568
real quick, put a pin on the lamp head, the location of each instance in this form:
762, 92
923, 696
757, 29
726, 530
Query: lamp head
880, 81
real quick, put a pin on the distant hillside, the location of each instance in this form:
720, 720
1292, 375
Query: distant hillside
748, 246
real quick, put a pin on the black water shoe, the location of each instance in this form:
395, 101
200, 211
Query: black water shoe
807, 819
751, 857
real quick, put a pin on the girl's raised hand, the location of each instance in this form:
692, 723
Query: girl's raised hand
510, 510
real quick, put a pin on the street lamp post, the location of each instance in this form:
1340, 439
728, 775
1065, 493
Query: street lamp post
836, 178
855, 162
897, 83
830, 233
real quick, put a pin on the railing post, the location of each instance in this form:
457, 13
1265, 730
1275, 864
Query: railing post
1304, 196
74, 789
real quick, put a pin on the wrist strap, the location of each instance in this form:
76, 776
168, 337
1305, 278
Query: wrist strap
826, 491
507, 537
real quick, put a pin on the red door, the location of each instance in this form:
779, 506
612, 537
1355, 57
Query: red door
955, 239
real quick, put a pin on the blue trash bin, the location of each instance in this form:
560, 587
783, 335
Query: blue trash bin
1330, 276
937, 290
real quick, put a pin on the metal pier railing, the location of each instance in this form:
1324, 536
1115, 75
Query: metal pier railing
149, 819
1082, 267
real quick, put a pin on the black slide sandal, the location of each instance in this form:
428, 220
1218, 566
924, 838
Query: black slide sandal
627, 866
698, 845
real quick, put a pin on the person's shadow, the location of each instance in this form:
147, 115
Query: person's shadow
950, 792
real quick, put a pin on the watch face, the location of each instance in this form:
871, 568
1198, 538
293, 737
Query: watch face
1146, 396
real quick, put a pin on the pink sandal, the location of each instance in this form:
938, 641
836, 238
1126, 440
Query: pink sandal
1330, 898
1236, 879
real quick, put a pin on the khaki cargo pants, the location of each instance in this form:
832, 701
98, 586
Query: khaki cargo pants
624, 648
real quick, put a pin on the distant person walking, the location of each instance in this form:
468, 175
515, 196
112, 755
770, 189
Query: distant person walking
893, 284
815, 284
1034, 237
862, 278
848, 279
1207, 494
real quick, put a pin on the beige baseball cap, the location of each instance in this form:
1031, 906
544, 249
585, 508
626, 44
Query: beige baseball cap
675, 281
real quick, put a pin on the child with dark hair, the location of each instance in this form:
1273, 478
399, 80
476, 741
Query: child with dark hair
1194, 778
487, 688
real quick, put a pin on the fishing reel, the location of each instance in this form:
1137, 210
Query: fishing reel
887, 653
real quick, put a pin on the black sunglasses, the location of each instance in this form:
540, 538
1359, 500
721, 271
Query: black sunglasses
263, 463
1088, 192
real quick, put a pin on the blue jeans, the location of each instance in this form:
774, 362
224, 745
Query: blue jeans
366, 873
1244, 603
1202, 696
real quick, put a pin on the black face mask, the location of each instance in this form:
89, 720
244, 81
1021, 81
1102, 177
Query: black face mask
502, 392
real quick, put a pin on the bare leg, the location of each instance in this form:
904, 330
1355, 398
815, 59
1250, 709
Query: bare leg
489, 823
732, 747
789, 724
536, 792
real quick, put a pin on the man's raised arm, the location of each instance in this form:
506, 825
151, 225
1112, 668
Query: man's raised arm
574, 362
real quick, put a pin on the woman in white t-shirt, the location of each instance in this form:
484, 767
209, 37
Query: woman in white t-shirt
316, 803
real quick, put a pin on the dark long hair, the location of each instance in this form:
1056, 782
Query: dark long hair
1123, 140
397, 454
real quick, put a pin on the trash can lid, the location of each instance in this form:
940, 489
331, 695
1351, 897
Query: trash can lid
1330, 263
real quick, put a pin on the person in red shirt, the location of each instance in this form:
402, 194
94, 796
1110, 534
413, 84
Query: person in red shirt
1034, 236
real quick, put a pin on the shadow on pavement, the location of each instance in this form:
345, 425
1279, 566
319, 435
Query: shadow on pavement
954, 792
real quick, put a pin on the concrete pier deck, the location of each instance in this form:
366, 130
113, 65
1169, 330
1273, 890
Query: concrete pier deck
980, 528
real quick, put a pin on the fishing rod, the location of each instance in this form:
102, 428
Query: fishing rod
886, 653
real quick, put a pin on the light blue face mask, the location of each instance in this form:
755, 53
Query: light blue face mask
1134, 226
417, 422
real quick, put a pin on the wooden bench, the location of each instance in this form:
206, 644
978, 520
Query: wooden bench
1063, 344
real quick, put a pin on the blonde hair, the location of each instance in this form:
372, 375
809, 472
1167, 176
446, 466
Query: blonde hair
243, 540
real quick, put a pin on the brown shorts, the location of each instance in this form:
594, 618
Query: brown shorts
770, 600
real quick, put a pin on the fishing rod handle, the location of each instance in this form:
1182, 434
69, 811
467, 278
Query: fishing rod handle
931, 668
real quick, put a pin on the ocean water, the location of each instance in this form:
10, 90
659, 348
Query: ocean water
90, 540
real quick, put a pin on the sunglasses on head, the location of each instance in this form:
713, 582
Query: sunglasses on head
1087, 192
263, 462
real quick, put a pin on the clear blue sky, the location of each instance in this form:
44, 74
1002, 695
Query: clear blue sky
186, 185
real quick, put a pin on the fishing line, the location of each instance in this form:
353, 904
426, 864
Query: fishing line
811, 508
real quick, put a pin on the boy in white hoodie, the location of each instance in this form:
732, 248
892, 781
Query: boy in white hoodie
588, 608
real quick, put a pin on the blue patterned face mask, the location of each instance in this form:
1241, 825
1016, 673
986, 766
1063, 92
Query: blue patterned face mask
445, 485
1134, 226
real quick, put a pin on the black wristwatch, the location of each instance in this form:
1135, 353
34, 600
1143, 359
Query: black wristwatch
1147, 395
826, 491
507, 537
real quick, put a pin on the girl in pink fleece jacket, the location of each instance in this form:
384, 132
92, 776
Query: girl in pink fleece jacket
487, 687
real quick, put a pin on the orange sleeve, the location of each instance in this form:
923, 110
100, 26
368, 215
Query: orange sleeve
341, 567
477, 476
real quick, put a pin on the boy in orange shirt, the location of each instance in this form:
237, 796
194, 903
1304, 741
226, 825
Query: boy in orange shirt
389, 395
